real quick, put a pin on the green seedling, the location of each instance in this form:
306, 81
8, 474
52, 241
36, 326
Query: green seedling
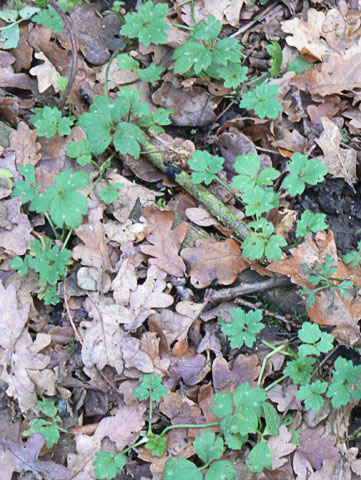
48, 428
346, 376
275, 50
206, 55
209, 449
303, 170
262, 242
312, 394
49, 17
243, 328
10, 34
49, 121
49, 262
263, 101
149, 74
147, 24
320, 275
354, 257
310, 223
205, 167
248, 166
105, 122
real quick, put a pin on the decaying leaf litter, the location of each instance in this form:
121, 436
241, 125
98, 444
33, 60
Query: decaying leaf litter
152, 272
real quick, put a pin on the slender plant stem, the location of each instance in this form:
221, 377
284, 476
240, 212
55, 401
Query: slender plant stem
189, 425
73, 52
47, 216
113, 55
273, 384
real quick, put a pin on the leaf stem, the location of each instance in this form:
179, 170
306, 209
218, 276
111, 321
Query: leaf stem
74, 63
110, 61
47, 216
189, 425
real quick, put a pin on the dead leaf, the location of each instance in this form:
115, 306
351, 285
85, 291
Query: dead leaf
165, 241
94, 251
124, 427
281, 446
26, 458
47, 74
126, 278
245, 369
23, 143
341, 162
347, 313
96, 36
214, 260
307, 36
191, 106
15, 235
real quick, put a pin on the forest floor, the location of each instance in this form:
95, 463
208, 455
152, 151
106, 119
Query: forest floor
180, 221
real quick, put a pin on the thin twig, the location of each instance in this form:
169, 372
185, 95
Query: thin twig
266, 312
246, 288
73, 52
69, 314
244, 28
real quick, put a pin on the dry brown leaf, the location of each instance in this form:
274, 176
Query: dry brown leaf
23, 143
24, 458
245, 369
129, 194
285, 397
15, 232
191, 367
307, 36
191, 106
116, 76
341, 162
214, 260
124, 427
281, 446
126, 278
315, 446
94, 251
165, 241
96, 36
148, 296
81, 463
16, 350
348, 312
335, 75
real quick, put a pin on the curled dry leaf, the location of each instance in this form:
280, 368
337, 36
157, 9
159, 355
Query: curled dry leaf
307, 36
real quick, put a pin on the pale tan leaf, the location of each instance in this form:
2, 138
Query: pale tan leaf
47, 74
341, 162
306, 35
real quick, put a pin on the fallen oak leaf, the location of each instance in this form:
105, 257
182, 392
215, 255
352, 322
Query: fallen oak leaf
165, 241
211, 259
